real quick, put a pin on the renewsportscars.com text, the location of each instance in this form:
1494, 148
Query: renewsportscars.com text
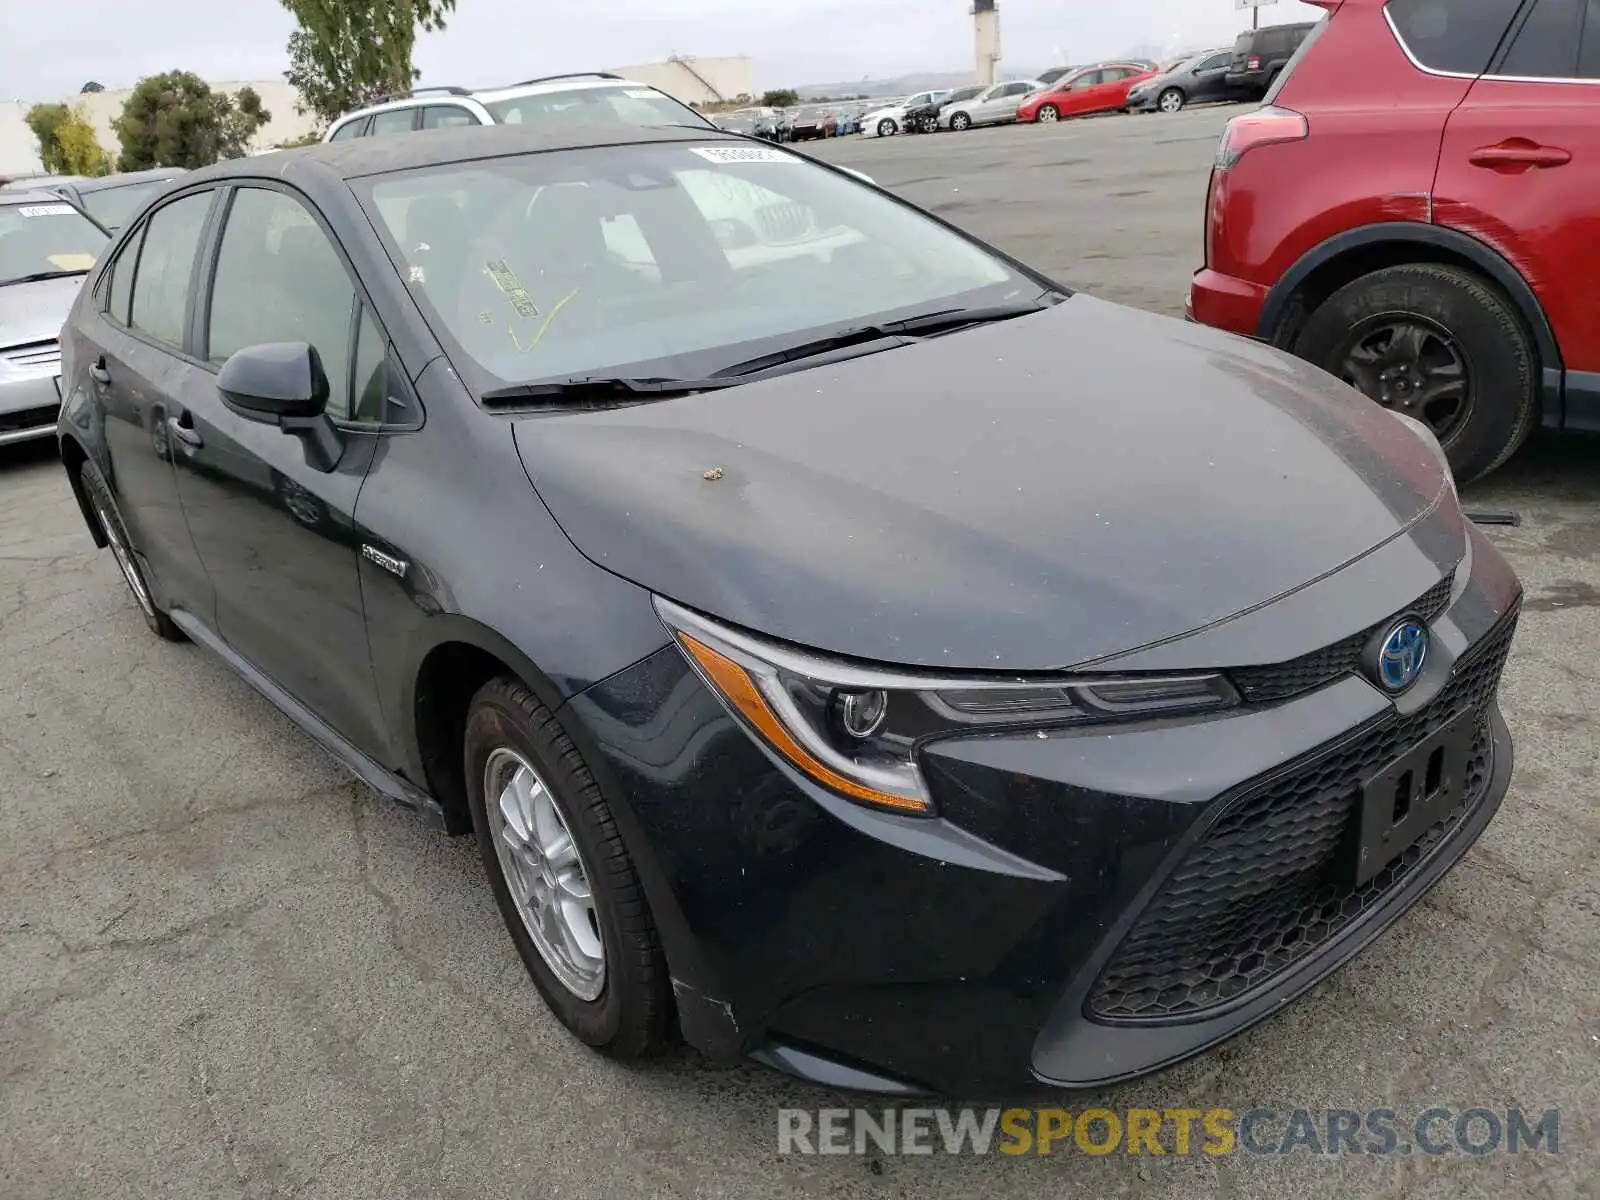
1434, 1131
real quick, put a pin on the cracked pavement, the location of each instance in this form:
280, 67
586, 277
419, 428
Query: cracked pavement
227, 969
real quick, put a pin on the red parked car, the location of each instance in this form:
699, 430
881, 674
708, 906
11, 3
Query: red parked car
1414, 210
1100, 88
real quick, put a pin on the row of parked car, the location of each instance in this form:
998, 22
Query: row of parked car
1241, 72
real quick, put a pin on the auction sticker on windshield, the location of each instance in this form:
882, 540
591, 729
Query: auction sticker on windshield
741, 154
46, 210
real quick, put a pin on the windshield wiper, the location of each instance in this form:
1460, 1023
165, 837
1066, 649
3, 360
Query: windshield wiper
594, 391
902, 332
610, 391
40, 276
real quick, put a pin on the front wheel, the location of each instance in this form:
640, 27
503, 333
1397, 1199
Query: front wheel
562, 878
105, 511
1170, 101
960, 121
886, 128
1049, 115
1439, 344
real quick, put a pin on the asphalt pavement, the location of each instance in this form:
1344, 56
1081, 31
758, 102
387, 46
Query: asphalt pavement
228, 970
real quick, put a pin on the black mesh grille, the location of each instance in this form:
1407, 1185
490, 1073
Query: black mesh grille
1279, 681
29, 418
1267, 885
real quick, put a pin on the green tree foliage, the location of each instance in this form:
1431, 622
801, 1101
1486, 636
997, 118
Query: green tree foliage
346, 53
81, 152
176, 120
46, 120
67, 145
782, 98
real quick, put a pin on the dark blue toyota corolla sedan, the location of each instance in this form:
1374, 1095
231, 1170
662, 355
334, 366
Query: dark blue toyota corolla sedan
850, 649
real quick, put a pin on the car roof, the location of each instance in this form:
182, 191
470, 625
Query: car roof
514, 91
154, 175
357, 157
34, 182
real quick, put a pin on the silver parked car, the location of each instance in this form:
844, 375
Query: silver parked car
996, 105
46, 248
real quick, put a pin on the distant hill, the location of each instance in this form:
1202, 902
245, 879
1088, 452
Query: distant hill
900, 85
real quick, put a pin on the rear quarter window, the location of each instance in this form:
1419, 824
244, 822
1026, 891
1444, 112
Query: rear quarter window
1446, 36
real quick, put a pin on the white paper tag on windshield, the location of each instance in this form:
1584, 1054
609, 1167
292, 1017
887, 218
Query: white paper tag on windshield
639, 93
46, 210
741, 154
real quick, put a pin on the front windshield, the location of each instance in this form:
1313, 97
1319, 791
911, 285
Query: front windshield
665, 260
114, 207
619, 105
48, 238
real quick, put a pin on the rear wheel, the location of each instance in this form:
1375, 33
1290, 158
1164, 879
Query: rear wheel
105, 511
1439, 344
564, 882
886, 128
1172, 100
1049, 114
960, 121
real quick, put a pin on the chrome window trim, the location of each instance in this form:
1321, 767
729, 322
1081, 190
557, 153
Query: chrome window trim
1427, 70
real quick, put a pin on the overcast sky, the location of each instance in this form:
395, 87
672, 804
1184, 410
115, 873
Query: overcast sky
47, 46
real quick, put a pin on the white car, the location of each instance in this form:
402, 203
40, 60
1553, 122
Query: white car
890, 120
587, 95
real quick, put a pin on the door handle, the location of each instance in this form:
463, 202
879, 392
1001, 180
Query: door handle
1518, 153
184, 432
98, 372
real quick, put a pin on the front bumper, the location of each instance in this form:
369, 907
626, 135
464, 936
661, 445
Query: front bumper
30, 397
976, 951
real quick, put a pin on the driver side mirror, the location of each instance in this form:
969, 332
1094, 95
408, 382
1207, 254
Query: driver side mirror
283, 384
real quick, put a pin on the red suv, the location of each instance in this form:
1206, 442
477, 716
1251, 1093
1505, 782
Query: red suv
1414, 210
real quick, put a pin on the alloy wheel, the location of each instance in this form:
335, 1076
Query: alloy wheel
1412, 365
1048, 115
124, 557
960, 121
885, 128
1171, 101
545, 873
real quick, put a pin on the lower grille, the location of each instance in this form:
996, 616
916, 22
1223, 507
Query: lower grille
29, 418
1279, 681
1268, 884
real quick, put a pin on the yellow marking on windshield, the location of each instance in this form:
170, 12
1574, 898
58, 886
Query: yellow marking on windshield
71, 262
538, 337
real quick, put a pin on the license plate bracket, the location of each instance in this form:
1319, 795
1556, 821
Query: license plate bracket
1400, 803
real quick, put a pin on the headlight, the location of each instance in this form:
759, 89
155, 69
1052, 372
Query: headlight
856, 729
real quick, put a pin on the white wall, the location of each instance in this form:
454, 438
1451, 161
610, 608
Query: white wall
686, 78
19, 149
277, 97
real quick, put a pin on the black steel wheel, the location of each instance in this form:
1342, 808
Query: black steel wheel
1439, 344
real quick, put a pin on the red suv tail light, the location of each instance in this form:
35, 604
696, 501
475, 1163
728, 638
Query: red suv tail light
1260, 128
1254, 64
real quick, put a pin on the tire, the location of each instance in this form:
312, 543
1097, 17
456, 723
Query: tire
887, 128
121, 546
630, 1015
1172, 100
1460, 313
1049, 115
960, 122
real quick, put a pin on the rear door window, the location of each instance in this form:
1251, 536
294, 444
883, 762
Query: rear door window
351, 129
446, 116
1589, 55
396, 120
1446, 36
160, 304
1546, 47
122, 278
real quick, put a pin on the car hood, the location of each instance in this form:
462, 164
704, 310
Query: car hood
35, 312
1033, 494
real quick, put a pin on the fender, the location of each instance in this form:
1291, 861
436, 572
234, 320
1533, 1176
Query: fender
1481, 255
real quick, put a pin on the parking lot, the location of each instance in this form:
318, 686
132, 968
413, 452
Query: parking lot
226, 969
